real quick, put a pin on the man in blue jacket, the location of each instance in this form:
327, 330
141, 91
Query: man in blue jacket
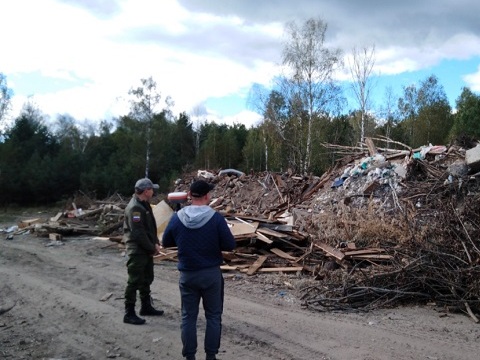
200, 234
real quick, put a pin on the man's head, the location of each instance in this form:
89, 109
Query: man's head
145, 184
200, 188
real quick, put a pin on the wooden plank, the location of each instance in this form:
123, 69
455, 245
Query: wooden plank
288, 220
244, 236
106, 296
271, 232
330, 250
256, 265
296, 235
351, 246
110, 228
162, 213
243, 217
228, 267
239, 228
88, 213
279, 180
281, 269
118, 238
228, 255
25, 223
245, 255
165, 256
282, 254
55, 236
263, 238
103, 238
242, 266
371, 146
277, 227
323, 180
363, 251
254, 224
399, 154
372, 257
56, 217
291, 244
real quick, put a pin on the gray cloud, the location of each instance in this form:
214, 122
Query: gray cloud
360, 23
241, 44
408, 35
413, 24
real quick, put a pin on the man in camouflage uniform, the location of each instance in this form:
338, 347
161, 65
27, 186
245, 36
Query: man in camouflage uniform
140, 236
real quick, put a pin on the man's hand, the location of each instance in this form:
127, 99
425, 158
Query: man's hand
157, 249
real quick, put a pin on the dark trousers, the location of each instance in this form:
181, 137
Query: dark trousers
207, 285
140, 277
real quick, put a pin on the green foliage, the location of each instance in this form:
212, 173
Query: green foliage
39, 164
361, 126
183, 144
467, 117
284, 133
236, 139
310, 89
99, 155
221, 146
426, 113
143, 108
253, 151
337, 131
26, 157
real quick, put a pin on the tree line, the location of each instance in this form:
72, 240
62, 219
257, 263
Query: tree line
43, 161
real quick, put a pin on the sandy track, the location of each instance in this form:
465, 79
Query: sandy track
58, 314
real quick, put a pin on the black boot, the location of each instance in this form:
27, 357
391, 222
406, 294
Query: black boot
130, 316
148, 309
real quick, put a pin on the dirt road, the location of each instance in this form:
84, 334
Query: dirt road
63, 311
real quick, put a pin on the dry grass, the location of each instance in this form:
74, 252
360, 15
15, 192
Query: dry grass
435, 249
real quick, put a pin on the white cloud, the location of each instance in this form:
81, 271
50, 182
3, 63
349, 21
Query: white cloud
245, 117
77, 45
196, 50
473, 80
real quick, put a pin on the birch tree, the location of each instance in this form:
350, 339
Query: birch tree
143, 107
273, 132
361, 67
199, 113
5, 99
425, 112
310, 66
388, 112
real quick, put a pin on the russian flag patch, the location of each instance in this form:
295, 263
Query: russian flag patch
136, 217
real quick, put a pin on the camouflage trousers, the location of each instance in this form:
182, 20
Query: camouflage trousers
140, 277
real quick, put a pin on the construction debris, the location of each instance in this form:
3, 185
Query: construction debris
383, 227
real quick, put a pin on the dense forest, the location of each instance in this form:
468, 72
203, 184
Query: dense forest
44, 160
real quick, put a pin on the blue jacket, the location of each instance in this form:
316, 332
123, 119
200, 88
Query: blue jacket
200, 234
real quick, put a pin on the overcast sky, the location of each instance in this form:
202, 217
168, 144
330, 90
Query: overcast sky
80, 57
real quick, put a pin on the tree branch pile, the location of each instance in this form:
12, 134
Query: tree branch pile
430, 228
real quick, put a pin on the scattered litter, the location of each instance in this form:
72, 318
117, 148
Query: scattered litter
54, 243
375, 230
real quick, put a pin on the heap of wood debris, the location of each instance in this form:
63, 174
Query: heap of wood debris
82, 215
383, 227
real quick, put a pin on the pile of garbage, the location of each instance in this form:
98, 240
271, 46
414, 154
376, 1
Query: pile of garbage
382, 228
